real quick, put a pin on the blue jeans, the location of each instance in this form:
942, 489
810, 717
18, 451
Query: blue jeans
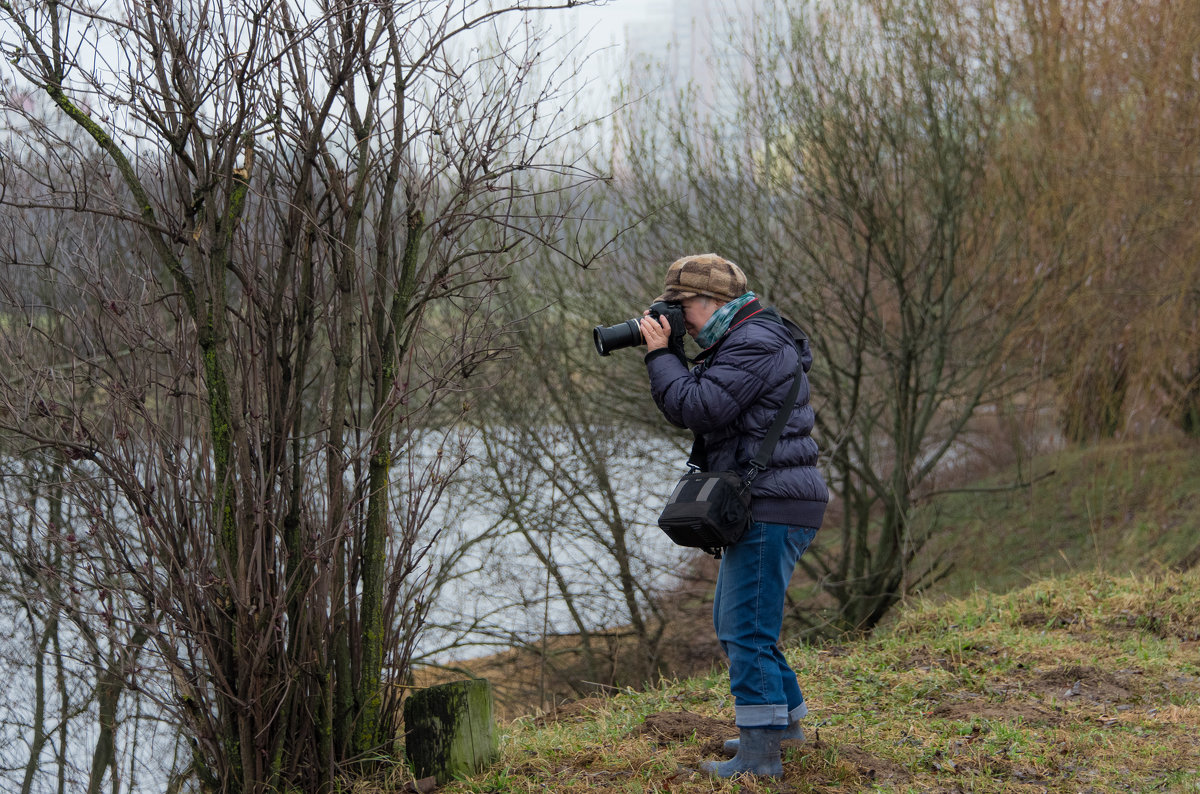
748, 616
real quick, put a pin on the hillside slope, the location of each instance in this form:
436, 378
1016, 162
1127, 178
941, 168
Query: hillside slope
1086, 683
1113, 506
1118, 507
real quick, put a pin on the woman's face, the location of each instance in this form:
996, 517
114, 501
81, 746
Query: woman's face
697, 311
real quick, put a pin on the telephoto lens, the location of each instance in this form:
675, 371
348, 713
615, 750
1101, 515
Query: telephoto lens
615, 337
629, 333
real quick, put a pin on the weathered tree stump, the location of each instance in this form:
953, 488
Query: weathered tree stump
449, 729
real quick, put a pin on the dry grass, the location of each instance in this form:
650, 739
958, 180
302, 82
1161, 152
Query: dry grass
1078, 682
1086, 684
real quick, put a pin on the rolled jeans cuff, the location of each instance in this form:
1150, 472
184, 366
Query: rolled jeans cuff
766, 716
798, 713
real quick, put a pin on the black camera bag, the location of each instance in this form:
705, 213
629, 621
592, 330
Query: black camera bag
707, 510
711, 510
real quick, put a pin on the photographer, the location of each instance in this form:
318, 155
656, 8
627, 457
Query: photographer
729, 399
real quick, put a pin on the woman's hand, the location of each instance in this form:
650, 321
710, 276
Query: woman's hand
655, 330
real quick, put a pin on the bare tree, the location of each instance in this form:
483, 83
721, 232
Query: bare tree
847, 175
1104, 161
278, 230
567, 469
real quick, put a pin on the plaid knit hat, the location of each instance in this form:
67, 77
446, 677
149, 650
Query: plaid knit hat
704, 274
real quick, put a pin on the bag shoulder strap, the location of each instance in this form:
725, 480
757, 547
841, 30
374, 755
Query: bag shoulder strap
759, 463
772, 437
795, 330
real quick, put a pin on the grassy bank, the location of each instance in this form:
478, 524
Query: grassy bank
1085, 683
1118, 507
1060, 653
1115, 506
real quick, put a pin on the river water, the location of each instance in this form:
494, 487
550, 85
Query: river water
491, 587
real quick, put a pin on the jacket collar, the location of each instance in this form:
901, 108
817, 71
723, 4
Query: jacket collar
751, 309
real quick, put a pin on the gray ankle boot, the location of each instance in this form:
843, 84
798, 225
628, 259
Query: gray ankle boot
757, 754
792, 731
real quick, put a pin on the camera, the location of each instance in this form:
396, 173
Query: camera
629, 333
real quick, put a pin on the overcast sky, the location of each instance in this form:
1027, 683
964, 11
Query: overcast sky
606, 23
599, 33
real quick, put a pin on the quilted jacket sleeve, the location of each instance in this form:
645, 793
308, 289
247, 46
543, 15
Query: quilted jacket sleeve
709, 398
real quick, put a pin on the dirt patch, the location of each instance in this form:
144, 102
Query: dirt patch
1038, 619
868, 766
998, 712
922, 659
668, 727
1158, 624
1086, 683
573, 711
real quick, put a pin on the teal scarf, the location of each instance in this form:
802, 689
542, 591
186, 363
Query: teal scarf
718, 324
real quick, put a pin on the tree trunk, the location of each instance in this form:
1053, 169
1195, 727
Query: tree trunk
369, 697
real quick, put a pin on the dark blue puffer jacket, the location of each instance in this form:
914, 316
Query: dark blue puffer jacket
731, 398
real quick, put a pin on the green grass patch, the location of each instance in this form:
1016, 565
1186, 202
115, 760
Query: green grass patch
1117, 506
1038, 664
1087, 683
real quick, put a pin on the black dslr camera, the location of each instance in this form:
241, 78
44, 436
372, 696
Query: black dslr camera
629, 333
